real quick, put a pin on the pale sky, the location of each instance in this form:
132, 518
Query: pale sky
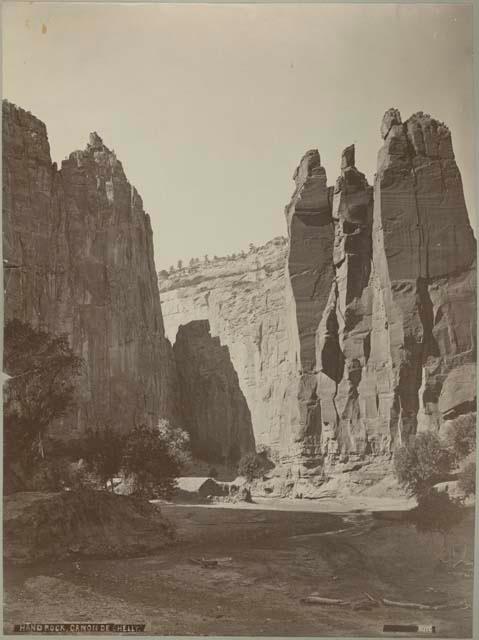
210, 107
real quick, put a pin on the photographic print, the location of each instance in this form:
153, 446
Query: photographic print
239, 340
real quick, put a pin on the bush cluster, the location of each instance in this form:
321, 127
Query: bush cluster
427, 460
253, 466
41, 387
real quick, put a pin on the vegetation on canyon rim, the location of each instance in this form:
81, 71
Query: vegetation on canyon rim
43, 371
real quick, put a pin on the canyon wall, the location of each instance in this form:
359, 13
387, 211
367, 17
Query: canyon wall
213, 406
243, 300
78, 259
327, 350
361, 331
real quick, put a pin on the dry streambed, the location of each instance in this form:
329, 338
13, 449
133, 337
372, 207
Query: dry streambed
244, 571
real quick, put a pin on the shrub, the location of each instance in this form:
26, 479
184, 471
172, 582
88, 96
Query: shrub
103, 450
422, 463
177, 442
51, 474
43, 371
253, 466
461, 435
437, 512
467, 479
153, 458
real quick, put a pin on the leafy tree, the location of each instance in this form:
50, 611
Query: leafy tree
180, 264
467, 479
50, 474
437, 512
177, 441
422, 463
461, 435
253, 466
103, 450
42, 370
154, 458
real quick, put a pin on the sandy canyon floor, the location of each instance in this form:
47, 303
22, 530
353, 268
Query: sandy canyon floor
272, 554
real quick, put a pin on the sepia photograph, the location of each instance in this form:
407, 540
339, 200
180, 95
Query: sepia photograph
239, 319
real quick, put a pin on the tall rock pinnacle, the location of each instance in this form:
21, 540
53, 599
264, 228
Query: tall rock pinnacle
311, 246
424, 281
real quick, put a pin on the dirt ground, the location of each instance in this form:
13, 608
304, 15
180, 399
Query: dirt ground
274, 554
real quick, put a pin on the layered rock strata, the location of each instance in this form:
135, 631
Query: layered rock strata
78, 259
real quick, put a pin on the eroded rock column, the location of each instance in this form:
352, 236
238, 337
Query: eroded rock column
424, 272
343, 344
311, 273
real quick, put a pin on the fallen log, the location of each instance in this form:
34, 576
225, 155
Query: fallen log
422, 607
372, 598
206, 564
363, 605
368, 601
325, 601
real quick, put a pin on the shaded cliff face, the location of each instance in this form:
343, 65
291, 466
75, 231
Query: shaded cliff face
365, 334
78, 254
213, 408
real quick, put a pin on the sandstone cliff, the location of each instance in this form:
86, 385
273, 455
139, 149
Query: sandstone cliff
362, 330
328, 349
243, 300
78, 259
424, 278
